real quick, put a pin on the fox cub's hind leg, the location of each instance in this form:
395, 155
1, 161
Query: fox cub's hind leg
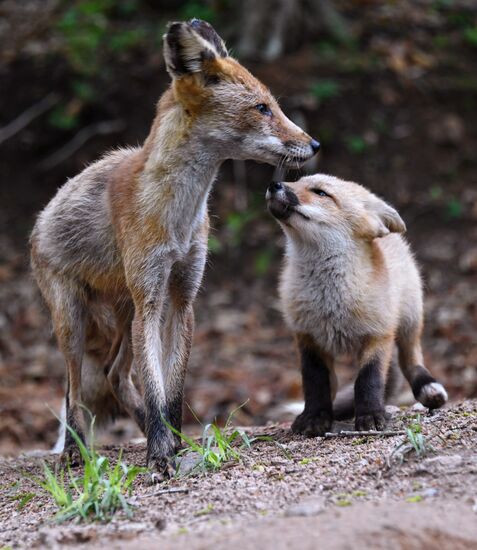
424, 386
319, 387
369, 387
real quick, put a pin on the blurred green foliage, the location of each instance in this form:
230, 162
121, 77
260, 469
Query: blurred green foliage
264, 260
325, 89
455, 208
470, 36
199, 10
356, 144
236, 224
89, 34
214, 246
435, 192
63, 118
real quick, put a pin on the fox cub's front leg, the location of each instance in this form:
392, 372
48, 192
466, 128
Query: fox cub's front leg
369, 387
318, 387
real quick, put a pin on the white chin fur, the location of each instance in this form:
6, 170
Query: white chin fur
433, 395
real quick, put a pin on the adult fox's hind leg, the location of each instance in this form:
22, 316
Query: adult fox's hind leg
66, 302
121, 382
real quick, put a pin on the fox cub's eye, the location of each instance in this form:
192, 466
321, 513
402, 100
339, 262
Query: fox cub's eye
263, 109
319, 192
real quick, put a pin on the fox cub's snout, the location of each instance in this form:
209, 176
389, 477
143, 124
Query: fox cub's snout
350, 285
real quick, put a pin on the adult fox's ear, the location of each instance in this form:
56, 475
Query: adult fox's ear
380, 220
187, 45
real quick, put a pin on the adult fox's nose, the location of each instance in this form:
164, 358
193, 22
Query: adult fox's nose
315, 145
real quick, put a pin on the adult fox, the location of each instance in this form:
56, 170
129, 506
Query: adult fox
119, 252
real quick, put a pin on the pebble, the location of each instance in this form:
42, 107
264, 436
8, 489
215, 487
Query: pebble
306, 508
429, 493
444, 462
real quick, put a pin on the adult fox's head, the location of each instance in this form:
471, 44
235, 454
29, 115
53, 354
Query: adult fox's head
224, 105
320, 208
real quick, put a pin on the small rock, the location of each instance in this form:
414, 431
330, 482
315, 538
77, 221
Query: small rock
306, 508
188, 462
418, 407
468, 261
392, 410
444, 462
429, 493
160, 524
131, 530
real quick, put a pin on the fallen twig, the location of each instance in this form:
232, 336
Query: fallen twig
166, 492
374, 433
85, 134
28, 116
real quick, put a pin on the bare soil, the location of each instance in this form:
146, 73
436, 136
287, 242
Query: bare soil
329, 491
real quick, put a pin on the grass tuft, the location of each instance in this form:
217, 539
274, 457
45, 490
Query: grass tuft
100, 490
415, 441
217, 446
416, 438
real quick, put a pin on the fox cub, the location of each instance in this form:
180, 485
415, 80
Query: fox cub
120, 251
349, 285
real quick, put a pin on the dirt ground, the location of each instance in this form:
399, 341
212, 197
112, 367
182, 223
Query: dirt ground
284, 492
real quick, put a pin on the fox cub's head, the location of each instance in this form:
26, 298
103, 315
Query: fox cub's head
227, 107
321, 207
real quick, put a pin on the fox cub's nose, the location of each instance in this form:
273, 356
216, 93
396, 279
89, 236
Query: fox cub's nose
273, 189
275, 186
315, 145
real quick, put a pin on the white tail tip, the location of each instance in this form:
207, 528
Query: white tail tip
433, 395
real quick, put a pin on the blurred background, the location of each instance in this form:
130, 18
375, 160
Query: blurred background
390, 90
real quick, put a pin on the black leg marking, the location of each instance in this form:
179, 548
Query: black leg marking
369, 397
317, 417
161, 443
174, 412
421, 378
71, 452
426, 389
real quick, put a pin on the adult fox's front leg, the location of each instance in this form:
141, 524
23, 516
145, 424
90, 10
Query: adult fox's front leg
184, 283
148, 286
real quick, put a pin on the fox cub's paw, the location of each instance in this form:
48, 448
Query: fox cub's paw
432, 395
370, 421
312, 424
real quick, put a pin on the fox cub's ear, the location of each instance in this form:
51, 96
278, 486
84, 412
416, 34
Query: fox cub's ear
188, 44
381, 219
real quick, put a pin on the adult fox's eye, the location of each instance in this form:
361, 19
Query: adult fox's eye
263, 109
320, 192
